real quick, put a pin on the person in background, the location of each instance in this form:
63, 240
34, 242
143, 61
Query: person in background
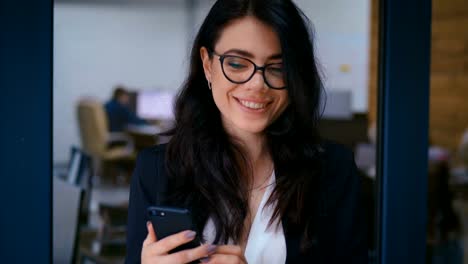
444, 226
119, 114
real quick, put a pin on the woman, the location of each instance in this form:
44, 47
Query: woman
245, 156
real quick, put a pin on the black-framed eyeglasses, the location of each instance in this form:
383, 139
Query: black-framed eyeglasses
240, 70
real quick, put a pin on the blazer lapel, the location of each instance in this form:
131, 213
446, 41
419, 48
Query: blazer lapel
292, 237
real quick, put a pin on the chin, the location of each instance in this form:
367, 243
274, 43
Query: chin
253, 127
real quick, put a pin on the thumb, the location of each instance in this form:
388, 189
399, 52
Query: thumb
151, 237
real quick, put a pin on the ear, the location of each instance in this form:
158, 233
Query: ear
206, 60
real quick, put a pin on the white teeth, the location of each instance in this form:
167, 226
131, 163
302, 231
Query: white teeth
252, 104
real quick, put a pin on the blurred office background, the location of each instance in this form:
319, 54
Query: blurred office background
143, 46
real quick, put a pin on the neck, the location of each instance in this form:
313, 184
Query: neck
254, 144
259, 157
255, 147
257, 153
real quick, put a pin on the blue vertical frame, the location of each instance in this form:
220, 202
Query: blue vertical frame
403, 111
25, 134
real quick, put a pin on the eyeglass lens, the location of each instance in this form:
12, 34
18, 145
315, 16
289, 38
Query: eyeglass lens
240, 70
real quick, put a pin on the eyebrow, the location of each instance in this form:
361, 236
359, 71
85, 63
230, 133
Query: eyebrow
250, 55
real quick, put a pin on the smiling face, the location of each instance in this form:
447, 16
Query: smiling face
252, 106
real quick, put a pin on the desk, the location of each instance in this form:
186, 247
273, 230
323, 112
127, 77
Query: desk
144, 136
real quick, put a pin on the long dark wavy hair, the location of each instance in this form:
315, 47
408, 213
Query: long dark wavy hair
207, 168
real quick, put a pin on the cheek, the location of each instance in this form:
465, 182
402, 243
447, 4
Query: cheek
283, 102
222, 88
219, 98
216, 73
221, 95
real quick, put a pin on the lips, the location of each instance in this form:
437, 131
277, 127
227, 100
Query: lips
252, 103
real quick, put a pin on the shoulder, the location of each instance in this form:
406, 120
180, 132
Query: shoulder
338, 159
150, 157
343, 225
144, 192
151, 153
112, 106
108, 104
337, 154
340, 176
147, 171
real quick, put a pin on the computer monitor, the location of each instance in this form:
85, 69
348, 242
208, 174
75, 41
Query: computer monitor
155, 105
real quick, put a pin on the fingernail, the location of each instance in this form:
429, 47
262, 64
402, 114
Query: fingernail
211, 249
190, 234
205, 260
147, 223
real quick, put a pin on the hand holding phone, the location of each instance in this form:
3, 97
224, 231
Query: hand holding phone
171, 220
165, 246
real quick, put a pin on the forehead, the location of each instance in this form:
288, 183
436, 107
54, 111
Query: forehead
249, 34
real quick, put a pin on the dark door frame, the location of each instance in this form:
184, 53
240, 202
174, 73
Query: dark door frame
26, 131
403, 114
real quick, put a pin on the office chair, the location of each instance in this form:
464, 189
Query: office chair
110, 160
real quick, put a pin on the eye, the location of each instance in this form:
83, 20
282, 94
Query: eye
236, 63
276, 70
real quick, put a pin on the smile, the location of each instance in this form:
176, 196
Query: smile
252, 105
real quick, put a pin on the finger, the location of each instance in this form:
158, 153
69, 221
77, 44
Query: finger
229, 250
170, 242
151, 237
224, 259
189, 255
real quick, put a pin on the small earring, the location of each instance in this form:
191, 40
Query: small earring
209, 85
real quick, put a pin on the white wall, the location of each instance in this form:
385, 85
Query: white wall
342, 30
97, 46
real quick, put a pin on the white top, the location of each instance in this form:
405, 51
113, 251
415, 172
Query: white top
265, 244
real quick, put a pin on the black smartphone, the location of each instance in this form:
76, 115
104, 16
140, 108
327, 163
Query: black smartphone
171, 220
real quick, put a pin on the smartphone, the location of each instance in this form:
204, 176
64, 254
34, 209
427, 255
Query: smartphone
171, 220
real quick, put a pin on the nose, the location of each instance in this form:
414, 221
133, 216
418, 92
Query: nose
257, 82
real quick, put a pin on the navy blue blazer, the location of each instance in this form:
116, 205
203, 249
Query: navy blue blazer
342, 231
